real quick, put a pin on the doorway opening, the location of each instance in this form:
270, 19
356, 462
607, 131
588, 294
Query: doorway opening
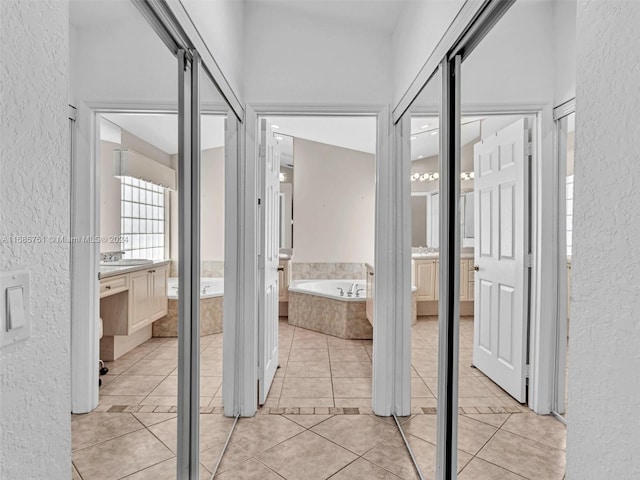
565, 124
323, 220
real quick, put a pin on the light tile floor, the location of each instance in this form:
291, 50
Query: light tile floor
303, 432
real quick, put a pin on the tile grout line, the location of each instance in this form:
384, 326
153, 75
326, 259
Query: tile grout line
475, 455
111, 438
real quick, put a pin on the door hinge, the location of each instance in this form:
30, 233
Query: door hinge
528, 149
259, 201
528, 260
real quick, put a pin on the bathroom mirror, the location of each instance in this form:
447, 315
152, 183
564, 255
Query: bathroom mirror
418, 219
424, 180
285, 142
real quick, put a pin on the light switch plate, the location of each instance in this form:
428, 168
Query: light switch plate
15, 292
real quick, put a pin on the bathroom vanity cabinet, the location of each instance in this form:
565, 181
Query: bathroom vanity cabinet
284, 280
130, 301
425, 276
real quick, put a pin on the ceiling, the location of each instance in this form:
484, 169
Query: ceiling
355, 133
161, 129
378, 15
425, 141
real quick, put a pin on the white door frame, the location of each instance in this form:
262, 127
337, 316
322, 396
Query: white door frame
559, 386
543, 231
390, 390
85, 256
543, 290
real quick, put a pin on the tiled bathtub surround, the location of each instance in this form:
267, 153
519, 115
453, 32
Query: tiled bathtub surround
210, 318
344, 319
212, 268
208, 268
325, 271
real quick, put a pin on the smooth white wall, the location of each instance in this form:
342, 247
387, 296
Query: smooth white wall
212, 205
564, 17
419, 29
295, 58
334, 204
514, 63
122, 61
110, 196
221, 24
604, 354
35, 437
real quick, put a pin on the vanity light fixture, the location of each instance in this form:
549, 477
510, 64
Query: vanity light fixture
467, 176
425, 177
283, 177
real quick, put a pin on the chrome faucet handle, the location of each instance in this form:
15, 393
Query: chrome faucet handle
358, 291
341, 291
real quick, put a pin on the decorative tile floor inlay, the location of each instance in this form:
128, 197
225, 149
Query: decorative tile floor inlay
313, 426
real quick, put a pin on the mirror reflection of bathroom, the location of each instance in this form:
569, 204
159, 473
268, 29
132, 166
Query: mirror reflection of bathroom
425, 146
326, 237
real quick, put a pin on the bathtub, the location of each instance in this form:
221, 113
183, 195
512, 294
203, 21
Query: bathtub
211, 299
331, 289
318, 305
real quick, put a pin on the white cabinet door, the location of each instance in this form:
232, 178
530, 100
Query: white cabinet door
158, 289
269, 161
464, 280
426, 272
139, 301
501, 243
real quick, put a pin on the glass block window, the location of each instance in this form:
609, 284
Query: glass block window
569, 214
142, 219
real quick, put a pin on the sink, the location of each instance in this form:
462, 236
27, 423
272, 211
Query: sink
127, 262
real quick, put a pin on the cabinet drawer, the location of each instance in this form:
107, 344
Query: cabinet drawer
111, 286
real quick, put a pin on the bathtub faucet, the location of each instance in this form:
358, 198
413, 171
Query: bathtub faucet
358, 291
204, 289
341, 291
353, 289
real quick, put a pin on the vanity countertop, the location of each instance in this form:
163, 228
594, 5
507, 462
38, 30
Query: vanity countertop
430, 255
108, 271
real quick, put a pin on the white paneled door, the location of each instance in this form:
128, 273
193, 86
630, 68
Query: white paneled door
269, 161
501, 165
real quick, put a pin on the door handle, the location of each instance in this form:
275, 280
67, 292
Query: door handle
476, 268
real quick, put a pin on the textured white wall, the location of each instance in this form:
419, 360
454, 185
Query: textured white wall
604, 394
34, 199
295, 58
334, 203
